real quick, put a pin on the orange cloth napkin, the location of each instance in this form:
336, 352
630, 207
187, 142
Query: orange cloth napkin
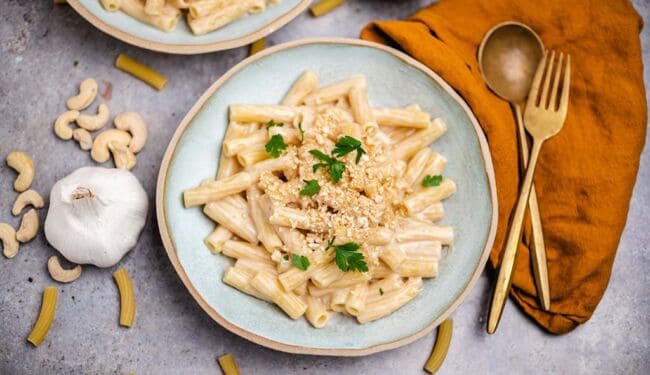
586, 173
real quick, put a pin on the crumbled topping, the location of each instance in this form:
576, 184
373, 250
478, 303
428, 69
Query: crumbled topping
366, 197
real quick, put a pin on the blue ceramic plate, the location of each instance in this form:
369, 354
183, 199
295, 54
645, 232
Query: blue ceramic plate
242, 31
394, 79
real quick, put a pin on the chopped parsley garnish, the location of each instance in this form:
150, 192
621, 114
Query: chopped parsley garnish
381, 292
302, 132
336, 167
311, 188
429, 181
272, 123
348, 258
336, 170
286, 257
275, 146
346, 145
301, 262
320, 156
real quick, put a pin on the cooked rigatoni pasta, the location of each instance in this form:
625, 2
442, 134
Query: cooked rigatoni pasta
203, 16
165, 20
327, 204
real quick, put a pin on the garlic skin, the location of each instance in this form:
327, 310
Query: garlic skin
96, 215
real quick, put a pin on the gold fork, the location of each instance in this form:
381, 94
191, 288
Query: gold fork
542, 121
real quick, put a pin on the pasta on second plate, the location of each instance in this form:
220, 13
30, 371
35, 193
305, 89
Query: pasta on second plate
328, 204
203, 16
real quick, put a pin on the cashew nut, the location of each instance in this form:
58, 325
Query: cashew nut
23, 164
29, 197
59, 273
134, 124
28, 226
122, 155
62, 124
99, 151
87, 93
96, 122
84, 138
9, 242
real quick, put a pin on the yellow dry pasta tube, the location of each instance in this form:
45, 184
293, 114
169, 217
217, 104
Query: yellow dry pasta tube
45, 317
440, 348
127, 297
228, 365
257, 46
324, 7
140, 71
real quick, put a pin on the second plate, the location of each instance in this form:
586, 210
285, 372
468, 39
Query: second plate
240, 32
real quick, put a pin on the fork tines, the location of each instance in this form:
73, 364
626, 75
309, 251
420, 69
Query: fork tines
541, 99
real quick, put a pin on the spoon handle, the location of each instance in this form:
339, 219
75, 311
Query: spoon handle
504, 277
537, 248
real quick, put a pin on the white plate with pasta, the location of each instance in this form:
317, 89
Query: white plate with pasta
328, 196
189, 26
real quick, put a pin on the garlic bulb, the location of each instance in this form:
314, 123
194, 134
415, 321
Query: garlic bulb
96, 215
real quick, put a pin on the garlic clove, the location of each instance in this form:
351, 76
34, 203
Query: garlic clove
96, 215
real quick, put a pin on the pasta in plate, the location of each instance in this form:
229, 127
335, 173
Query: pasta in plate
203, 16
328, 204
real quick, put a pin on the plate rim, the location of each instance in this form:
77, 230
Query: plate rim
297, 349
186, 49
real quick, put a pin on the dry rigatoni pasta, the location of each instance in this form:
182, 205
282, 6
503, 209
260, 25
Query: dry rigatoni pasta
326, 203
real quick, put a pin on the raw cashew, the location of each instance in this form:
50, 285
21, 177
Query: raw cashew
23, 164
29, 197
28, 226
134, 124
9, 242
59, 273
84, 138
100, 152
62, 124
122, 155
96, 122
87, 93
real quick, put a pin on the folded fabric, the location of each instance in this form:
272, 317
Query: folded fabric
585, 174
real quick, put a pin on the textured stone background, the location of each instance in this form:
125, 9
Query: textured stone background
39, 44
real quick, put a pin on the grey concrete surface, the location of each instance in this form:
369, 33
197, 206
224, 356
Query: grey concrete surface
46, 50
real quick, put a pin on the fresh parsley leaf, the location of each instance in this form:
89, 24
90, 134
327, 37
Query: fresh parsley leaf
317, 166
336, 170
286, 257
311, 188
336, 167
428, 181
346, 145
301, 262
320, 156
302, 132
272, 123
360, 153
275, 146
330, 243
348, 258
381, 292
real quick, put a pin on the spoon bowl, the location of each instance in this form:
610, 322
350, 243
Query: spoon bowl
508, 58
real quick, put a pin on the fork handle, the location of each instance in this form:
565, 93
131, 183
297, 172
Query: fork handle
537, 248
504, 277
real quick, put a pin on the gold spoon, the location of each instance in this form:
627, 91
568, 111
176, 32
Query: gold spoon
508, 58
